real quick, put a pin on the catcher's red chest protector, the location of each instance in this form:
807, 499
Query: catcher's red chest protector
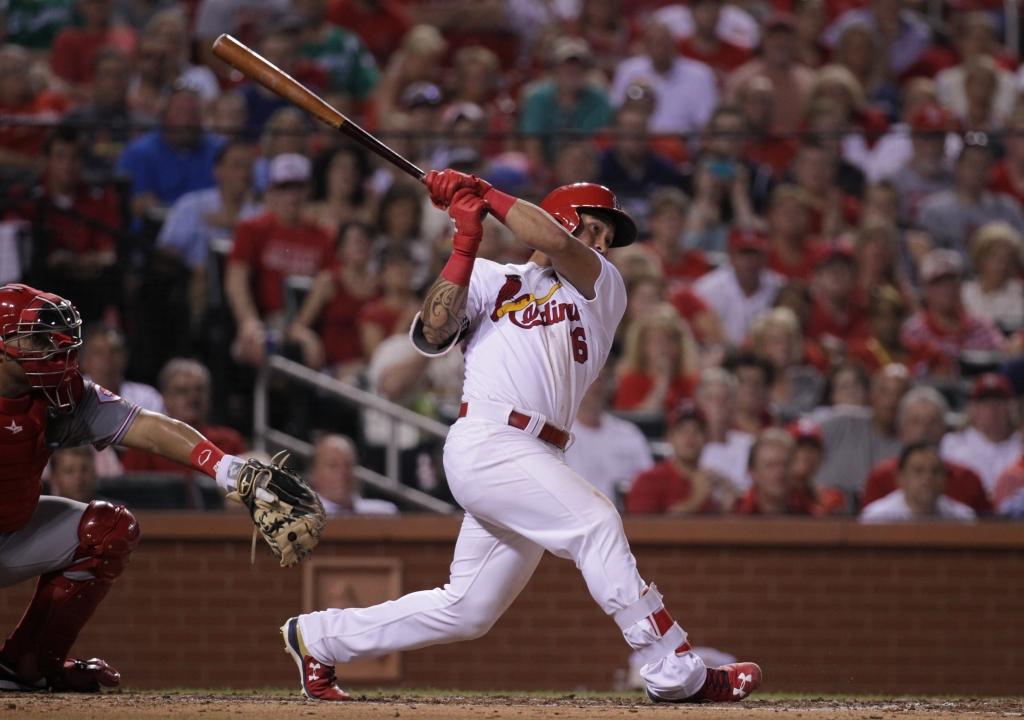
23, 456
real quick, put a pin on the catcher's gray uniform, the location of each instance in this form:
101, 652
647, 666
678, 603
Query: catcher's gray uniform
49, 539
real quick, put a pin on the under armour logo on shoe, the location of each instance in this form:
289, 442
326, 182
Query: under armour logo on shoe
14, 427
744, 679
314, 667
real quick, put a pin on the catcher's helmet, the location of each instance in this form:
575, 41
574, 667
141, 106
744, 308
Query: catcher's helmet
42, 332
564, 204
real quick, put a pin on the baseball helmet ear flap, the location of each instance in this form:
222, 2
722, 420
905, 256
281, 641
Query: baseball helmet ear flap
565, 203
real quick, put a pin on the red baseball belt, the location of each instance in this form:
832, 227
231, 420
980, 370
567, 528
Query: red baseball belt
549, 433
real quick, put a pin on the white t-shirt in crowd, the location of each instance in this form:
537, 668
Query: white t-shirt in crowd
730, 458
722, 292
972, 449
893, 508
687, 94
605, 456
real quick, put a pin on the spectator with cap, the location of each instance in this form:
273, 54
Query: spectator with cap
775, 334
631, 168
991, 441
204, 215
926, 171
106, 119
71, 57
73, 474
808, 454
996, 293
837, 313
350, 66
421, 101
943, 321
727, 448
104, 359
565, 102
922, 419
950, 216
286, 131
269, 248
677, 485
771, 491
25, 108
791, 81
656, 371
686, 90
186, 388
906, 36
790, 243
887, 309
922, 493
754, 376
606, 451
743, 287
858, 438
706, 46
175, 159
333, 476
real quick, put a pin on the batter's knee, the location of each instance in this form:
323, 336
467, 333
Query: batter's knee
107, 535
474, 616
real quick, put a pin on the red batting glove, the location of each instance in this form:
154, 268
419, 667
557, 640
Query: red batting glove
443, 186
467, 213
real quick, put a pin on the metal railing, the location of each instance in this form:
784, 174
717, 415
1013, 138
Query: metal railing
388, 484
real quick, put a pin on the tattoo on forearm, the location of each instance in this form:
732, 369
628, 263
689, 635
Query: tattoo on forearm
443, 311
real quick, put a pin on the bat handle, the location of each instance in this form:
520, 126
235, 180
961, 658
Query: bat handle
369, 141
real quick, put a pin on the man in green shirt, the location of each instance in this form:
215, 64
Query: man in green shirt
565, 102
341, 53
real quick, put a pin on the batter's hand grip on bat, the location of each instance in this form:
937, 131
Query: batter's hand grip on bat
275, 79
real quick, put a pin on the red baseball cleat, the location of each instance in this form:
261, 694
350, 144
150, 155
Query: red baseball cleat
318, 680
728, 683
84, 676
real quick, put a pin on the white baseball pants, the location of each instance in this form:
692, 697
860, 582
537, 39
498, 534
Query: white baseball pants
520, 499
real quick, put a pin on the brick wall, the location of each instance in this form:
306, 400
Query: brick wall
824, 608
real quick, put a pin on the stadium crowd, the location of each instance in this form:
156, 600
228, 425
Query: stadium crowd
825, 310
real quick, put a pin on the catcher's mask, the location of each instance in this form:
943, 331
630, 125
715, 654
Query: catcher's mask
565, 204
41, 332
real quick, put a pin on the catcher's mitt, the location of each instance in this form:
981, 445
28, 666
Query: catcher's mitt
284, 508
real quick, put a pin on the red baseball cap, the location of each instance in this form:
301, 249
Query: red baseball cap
685, 410
930, 117
747, 239
825, 251
804, 430
991, 385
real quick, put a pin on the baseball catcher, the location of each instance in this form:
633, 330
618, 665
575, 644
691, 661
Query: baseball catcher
76, 550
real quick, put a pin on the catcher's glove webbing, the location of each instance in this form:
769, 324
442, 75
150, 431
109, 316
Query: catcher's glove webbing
292, 521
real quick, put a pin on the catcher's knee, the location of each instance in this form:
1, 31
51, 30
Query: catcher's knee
107, 535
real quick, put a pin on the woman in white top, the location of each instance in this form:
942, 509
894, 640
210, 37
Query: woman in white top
996, 293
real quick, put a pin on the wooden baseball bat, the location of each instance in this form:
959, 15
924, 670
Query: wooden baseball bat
278, 81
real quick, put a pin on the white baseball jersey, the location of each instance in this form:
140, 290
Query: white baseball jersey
532, 340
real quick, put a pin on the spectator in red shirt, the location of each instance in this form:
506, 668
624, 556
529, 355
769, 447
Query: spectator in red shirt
788, 224
887, 309
666, 222
768, 146
380, 23
20, 102
943, 321
379, 319
267, 250
771, 464
807, 456
816, 169
837, 312
677, 486
659, 362
754, 376
76, 227
74, 47
186, 389
705, 45
922, 418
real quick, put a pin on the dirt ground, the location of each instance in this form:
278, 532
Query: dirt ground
430, 706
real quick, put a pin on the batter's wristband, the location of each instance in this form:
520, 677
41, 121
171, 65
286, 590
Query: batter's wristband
205, 458
459, 268
500, 203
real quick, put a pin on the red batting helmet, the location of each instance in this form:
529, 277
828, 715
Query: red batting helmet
42, 332
564, 204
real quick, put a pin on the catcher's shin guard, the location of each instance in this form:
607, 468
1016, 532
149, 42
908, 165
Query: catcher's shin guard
65, 600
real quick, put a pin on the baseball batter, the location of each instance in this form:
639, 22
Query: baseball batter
535, 337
